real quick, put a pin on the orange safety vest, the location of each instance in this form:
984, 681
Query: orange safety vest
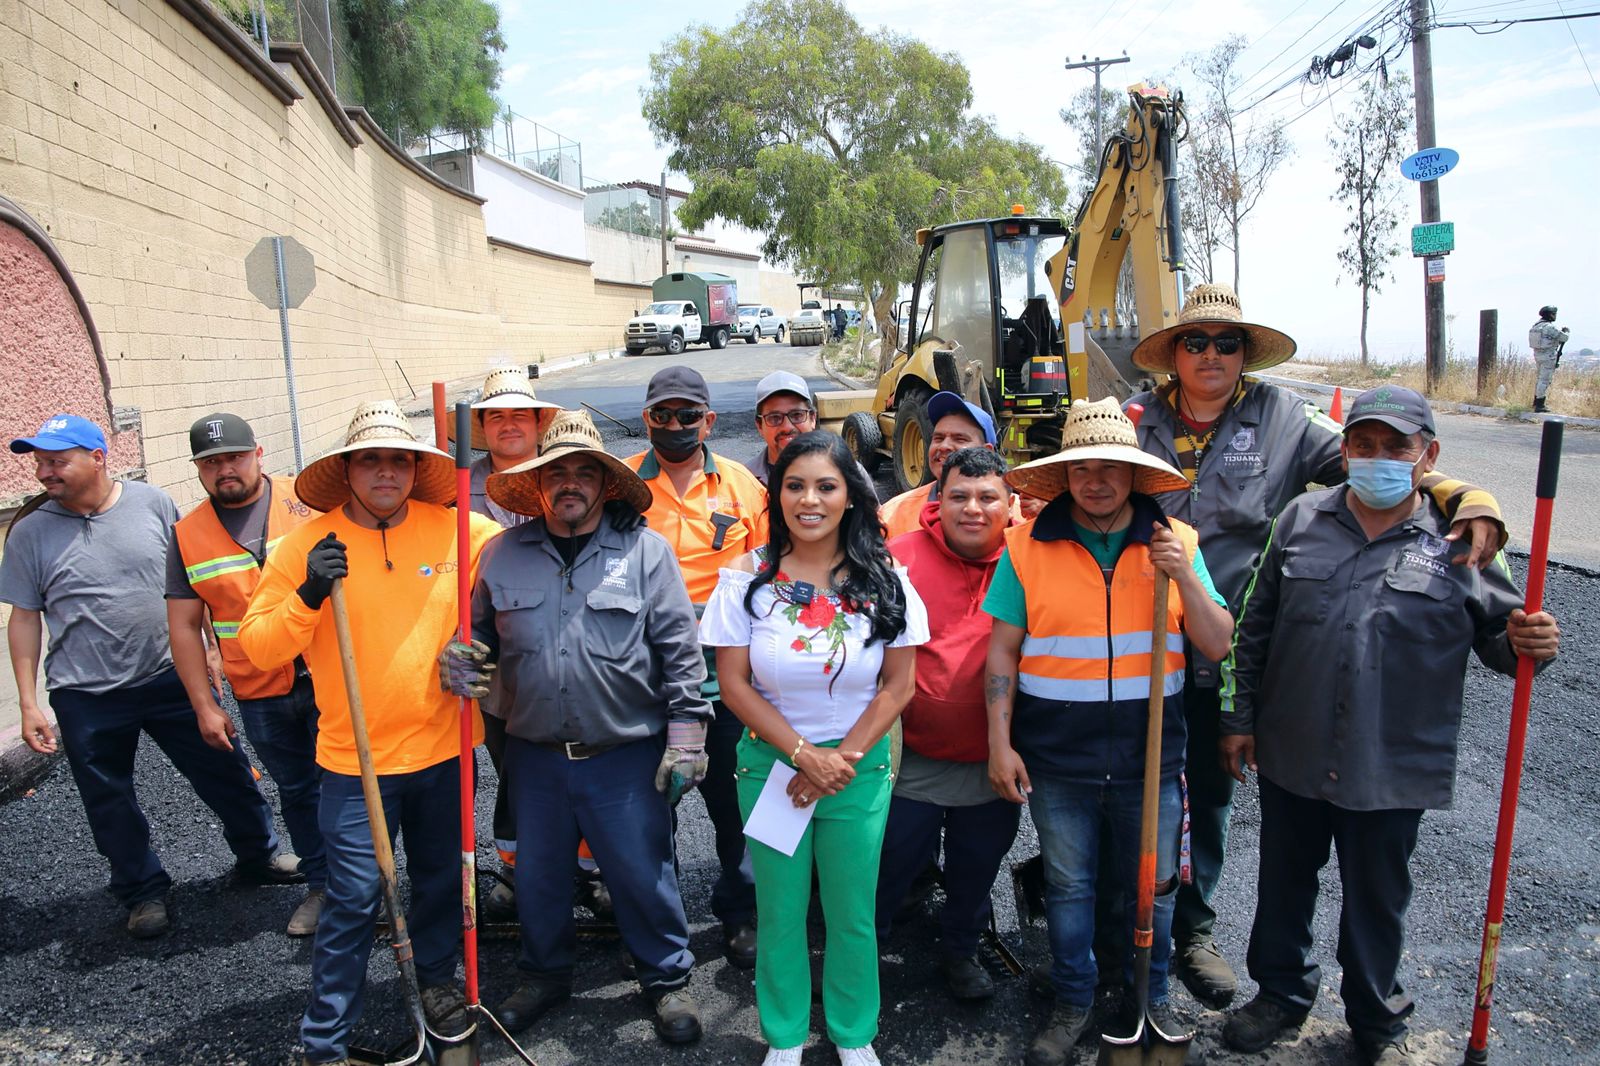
224, 575
1078, 651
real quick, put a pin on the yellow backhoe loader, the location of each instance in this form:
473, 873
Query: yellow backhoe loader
1018, 314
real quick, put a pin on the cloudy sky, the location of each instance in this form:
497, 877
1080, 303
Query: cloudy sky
1522, 107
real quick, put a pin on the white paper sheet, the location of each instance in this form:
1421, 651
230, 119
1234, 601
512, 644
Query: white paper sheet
775, 820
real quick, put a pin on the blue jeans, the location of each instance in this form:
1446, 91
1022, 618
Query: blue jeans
610, 800
1070, 817
100, 732
976, 840
733, 897
283, 732
424, 807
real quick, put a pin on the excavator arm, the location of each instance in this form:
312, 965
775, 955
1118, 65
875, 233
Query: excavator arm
1132, 210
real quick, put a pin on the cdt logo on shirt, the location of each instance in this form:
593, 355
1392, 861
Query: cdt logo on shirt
616, 574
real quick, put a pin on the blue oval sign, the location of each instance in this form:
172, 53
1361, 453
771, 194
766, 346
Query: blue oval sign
1429, 163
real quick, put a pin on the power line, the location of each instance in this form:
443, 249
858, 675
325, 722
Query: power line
1163, 11
1579, 47
1503, 23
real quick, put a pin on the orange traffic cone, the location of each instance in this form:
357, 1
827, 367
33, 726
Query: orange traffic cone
1336, 409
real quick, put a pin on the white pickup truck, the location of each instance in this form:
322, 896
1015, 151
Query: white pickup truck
756, 321
669, 324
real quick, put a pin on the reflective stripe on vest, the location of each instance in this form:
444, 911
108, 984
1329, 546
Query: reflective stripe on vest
207, 569
224, 577
1085, 643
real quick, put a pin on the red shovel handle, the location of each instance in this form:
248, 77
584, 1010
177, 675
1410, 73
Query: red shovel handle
1511, 782
469, 828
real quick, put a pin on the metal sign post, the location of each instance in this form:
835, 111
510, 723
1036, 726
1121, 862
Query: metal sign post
281, 273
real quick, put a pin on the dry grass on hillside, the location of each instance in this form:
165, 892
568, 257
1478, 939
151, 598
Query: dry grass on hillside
1574, 391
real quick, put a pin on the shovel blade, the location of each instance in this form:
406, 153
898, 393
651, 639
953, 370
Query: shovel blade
1147, 1046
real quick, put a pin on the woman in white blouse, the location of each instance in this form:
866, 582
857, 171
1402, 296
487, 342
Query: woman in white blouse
815, 639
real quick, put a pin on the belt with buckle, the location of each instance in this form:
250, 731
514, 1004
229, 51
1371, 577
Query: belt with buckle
573, 749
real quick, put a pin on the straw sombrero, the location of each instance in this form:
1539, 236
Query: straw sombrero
506, 387
517, 489
1263, 346
1097, 430
377, 424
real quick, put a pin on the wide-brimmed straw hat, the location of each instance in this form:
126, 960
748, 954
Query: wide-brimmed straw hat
377, 424
570, 433
506, 387
1096, 430
1214, 304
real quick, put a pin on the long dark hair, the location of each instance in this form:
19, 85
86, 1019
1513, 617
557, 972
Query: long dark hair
865, 579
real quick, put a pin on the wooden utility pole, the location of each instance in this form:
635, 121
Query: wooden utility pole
1097, 65
1488, 350
1427, 137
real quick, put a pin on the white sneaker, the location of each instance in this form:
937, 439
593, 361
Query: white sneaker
788, 1056
858, 1056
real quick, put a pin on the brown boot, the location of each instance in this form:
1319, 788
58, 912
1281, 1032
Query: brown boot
307, 916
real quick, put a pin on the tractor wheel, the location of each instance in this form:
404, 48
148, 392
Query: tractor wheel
863, 438
912, 432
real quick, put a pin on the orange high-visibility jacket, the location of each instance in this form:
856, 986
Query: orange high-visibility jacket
1084, 675
224, 575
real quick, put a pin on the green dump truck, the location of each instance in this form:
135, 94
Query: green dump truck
686, 308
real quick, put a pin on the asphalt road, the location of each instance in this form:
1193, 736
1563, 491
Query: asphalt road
227, 987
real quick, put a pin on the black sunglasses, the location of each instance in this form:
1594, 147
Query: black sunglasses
1227, 344
799, 417
686, 416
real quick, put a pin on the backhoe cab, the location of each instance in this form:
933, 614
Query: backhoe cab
1019, 314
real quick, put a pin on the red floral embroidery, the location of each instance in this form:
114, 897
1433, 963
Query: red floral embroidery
798, 645
818, 613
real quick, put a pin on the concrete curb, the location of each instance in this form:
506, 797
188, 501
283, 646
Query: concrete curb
1317, 387
847, 382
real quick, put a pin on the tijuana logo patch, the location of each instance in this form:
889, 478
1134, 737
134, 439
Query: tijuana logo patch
1432, 546
1241, 455
1243, 440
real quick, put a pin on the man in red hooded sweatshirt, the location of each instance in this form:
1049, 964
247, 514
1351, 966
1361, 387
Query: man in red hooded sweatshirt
943, 781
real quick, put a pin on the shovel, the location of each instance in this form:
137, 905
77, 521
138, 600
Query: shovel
383, 850
1148, 1045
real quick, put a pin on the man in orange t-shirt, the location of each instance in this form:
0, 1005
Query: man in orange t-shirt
389, 535
712, 511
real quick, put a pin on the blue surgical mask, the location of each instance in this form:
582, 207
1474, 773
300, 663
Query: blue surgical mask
1381, 483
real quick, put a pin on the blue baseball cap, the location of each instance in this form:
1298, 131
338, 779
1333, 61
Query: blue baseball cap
61, 432
948, 403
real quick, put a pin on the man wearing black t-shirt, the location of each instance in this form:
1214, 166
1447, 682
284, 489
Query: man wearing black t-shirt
214, 560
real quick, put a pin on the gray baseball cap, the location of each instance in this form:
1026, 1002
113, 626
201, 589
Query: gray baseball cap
782, 381
677, 383
1397, 407
219, 434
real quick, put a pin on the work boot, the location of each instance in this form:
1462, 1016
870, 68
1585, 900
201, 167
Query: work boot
677, 1019
739, 945
1054, 1044
531, 1001
1261, 1023
281, 869
1392, 1053
1538, 405
445, 1009
148, 919
966, 978
500, 905
306, 917
1205, 973
1167, 1019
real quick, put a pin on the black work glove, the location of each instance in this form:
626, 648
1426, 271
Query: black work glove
621, 517
326, 562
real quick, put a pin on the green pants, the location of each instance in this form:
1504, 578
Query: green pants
844, 841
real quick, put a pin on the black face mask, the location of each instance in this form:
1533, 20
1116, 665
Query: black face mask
675, 443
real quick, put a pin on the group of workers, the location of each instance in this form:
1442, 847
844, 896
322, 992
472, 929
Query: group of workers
678, 620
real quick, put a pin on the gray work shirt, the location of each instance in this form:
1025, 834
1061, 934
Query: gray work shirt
1350, 656
763, 472
602, 655
98, 580
481, 469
